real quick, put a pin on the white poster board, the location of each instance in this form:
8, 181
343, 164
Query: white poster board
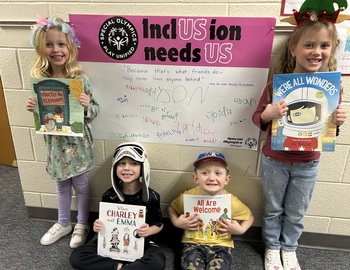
176, 80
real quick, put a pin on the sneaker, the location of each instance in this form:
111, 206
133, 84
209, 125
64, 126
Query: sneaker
290, 261
79, 235
56, 232
273, 259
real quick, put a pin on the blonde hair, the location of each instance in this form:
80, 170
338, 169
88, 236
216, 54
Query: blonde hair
287, 61
41, 67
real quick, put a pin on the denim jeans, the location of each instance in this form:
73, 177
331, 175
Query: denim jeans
287, 192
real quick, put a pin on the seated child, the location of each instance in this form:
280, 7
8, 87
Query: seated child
211, 176
130, 178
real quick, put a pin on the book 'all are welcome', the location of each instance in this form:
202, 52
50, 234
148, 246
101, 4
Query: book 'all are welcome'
312, 99
57, 110
210, 209
118, 238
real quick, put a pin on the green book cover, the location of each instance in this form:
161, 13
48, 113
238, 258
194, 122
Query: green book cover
57, 110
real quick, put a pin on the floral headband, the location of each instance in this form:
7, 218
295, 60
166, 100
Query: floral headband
43, 23
318, 11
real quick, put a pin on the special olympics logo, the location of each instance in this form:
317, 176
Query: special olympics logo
118, 38
251, 142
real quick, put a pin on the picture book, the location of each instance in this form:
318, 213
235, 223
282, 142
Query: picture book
308, 124
210, 209
119, 239
57, 110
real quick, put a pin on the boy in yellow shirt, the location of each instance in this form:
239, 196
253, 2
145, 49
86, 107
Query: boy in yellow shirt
211, 176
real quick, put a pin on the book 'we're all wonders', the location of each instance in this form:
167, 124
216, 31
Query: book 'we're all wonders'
57, 110
312, 99
119, 239
210, 209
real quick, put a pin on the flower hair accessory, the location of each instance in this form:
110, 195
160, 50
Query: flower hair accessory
43, 23
316, 10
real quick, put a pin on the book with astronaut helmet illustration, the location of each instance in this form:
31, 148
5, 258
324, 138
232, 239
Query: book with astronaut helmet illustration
308, 124
118, 238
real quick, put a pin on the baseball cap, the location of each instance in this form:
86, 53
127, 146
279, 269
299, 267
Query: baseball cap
210, 155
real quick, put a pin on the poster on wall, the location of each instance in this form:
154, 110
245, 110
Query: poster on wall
287, 6
343, 28
176, 80
312, 99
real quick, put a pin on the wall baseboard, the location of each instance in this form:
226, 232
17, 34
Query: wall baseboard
307, 239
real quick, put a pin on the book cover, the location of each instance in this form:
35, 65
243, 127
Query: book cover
57, 110
119, 239
312, 99
210, 210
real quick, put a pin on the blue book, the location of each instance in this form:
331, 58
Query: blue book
312, 99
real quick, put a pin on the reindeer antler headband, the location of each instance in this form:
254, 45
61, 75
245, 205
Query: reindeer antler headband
316, 10
43, 23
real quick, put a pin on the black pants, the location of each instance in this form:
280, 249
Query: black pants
86, 258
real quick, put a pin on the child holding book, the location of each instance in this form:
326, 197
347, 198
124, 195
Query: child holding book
211, 176
289, 177
69, 158
130, 177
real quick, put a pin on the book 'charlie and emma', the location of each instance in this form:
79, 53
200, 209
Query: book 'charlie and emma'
118, 238
312, 99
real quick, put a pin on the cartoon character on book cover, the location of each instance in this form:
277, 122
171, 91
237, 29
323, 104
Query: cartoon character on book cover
114, 240
118, 238
312, 99
58, 111
210, 210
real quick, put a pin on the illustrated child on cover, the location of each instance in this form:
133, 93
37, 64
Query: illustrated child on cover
211, 176
126, 240
59, 118
302, 113
130, 175
289, 177
56, 47
115, 240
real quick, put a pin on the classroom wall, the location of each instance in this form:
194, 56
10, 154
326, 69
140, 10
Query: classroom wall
171, 164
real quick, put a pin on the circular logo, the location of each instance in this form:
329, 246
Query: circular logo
251, 142
118, 38
320, 94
